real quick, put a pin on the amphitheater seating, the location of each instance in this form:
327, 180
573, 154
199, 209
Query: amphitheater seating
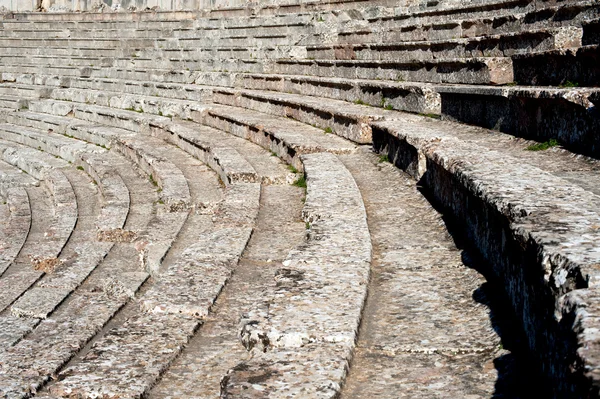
326, 199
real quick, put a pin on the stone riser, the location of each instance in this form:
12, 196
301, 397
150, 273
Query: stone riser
554, 68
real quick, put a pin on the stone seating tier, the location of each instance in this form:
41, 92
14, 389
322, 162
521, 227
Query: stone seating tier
210, 175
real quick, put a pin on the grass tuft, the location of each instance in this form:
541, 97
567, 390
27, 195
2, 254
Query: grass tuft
543, 146
568, 84
301, 182
384, 158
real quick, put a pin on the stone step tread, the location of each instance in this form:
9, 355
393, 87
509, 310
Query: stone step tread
12, 177
270, 169
495, 18
86, 311
13, 329
575, 169
97, 163
301, 137
54, 143
15, 229
175, 190
216, 347
333, 116
337, 218
418, 277
492, 70
64, 333
201, 143
52, 224
91, 158
82, 254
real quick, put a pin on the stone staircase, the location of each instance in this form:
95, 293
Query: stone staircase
316, 200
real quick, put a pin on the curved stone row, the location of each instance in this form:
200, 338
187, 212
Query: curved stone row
532, 217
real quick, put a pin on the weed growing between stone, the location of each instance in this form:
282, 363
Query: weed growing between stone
301, 182
543, 146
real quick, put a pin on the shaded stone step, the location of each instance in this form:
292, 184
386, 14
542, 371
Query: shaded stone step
522, 202
511, 18
569, 115
347, 120
423, 331
571, 67
502, 45
591, 33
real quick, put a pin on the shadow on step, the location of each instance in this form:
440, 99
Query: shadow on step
519, 377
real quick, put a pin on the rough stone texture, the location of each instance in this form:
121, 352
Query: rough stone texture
174, 306
526, 204
15, 228
122, 80
216, 347
445, 342
332, 264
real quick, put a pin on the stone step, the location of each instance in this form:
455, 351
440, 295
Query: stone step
177, 303
226, 161
51, 228
567, 117
16, 217
288, 139
147, 155
421, 278
215, 348
80, 256
320, 333
350, 121
501, 45
486, 70
109, 287
295, 137
80, 43
525, 203
445, 26
92, 159
199, 141
570, 67
13, 102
